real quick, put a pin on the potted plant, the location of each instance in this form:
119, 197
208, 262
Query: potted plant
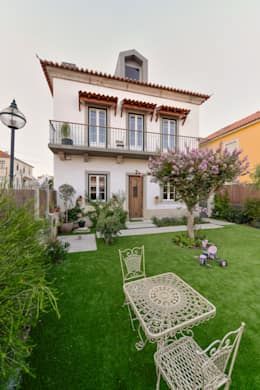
65, 134
81, 223
66, 193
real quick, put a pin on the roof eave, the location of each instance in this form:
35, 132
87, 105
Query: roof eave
45, 64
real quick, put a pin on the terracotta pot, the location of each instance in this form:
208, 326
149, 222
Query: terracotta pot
66, 227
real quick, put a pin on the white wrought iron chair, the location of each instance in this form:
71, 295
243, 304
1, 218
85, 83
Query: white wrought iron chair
184, 365
133, 267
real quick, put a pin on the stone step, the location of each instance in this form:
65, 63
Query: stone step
139, 224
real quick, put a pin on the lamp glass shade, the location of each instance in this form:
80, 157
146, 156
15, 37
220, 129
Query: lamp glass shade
12, 117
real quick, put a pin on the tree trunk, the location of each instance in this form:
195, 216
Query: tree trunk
190, 224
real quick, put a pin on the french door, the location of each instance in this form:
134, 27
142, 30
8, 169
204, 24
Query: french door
168, 134
136, 131
97, 129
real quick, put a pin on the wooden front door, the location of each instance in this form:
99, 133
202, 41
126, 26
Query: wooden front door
135, 196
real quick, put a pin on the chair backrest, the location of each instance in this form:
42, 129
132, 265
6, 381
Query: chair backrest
132, 263
222, 354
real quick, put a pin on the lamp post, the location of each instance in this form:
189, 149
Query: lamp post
14, 119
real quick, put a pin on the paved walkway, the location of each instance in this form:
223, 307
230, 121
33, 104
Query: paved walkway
87, 242
165, 229
218, 221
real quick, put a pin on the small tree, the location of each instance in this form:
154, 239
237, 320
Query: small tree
66, 192
255, 176
196, 174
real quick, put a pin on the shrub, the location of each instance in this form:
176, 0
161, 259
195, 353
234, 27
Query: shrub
252, 211
184, 241
73, 214
223, 209
109, 226
110, 217
221, 206
56, 250
24, 290
173, 221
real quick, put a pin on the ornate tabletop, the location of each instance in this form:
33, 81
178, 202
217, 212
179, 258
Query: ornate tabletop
165, 304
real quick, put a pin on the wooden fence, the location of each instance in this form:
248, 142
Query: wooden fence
41, 202
239, 193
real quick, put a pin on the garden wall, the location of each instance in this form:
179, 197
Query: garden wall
239, 193
40, 201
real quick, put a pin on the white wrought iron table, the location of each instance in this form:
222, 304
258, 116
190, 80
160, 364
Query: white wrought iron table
166, 306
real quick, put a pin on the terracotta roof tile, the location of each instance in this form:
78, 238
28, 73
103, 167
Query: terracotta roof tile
138, 103
4, 154
97, 96
182, 113
74, 68
233, 126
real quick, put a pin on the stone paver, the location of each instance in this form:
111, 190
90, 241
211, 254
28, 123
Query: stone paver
165, 229
87, 242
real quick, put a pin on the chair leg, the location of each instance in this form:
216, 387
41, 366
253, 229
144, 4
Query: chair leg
227, 385
131, 317
158, 380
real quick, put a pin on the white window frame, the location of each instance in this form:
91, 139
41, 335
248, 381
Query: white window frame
136, 66
227, 145
167, 135
135, 132
169, 190
97, 176
97, 127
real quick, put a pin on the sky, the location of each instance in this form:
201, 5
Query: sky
210, 46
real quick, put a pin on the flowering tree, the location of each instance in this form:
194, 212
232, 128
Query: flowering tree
196, 174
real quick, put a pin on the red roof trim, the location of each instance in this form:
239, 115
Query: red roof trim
232, 127
181, 113
138, 105
97, 98
45, 63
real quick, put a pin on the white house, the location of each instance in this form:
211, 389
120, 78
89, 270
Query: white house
105, 127
23, 172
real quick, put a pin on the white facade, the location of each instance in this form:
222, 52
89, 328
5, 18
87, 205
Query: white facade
23, 173
79, 166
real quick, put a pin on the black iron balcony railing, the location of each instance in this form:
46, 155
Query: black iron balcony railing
114, 139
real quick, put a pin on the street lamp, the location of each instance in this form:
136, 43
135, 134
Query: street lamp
14, 119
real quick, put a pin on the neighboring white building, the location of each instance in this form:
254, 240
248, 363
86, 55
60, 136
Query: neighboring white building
105, 128
23, 172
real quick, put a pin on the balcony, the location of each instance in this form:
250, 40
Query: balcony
104, 141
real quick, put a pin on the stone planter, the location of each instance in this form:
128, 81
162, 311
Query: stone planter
66, 227
67, 141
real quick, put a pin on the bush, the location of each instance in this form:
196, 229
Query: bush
221, 206
173, 221
252, 211
108, 225
184, 241
110, 217
24, 290
73, 214
223, 209
56, 250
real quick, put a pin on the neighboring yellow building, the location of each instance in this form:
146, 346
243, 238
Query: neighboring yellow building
243, 134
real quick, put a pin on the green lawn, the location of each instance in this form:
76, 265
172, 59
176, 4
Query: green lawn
92, 346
